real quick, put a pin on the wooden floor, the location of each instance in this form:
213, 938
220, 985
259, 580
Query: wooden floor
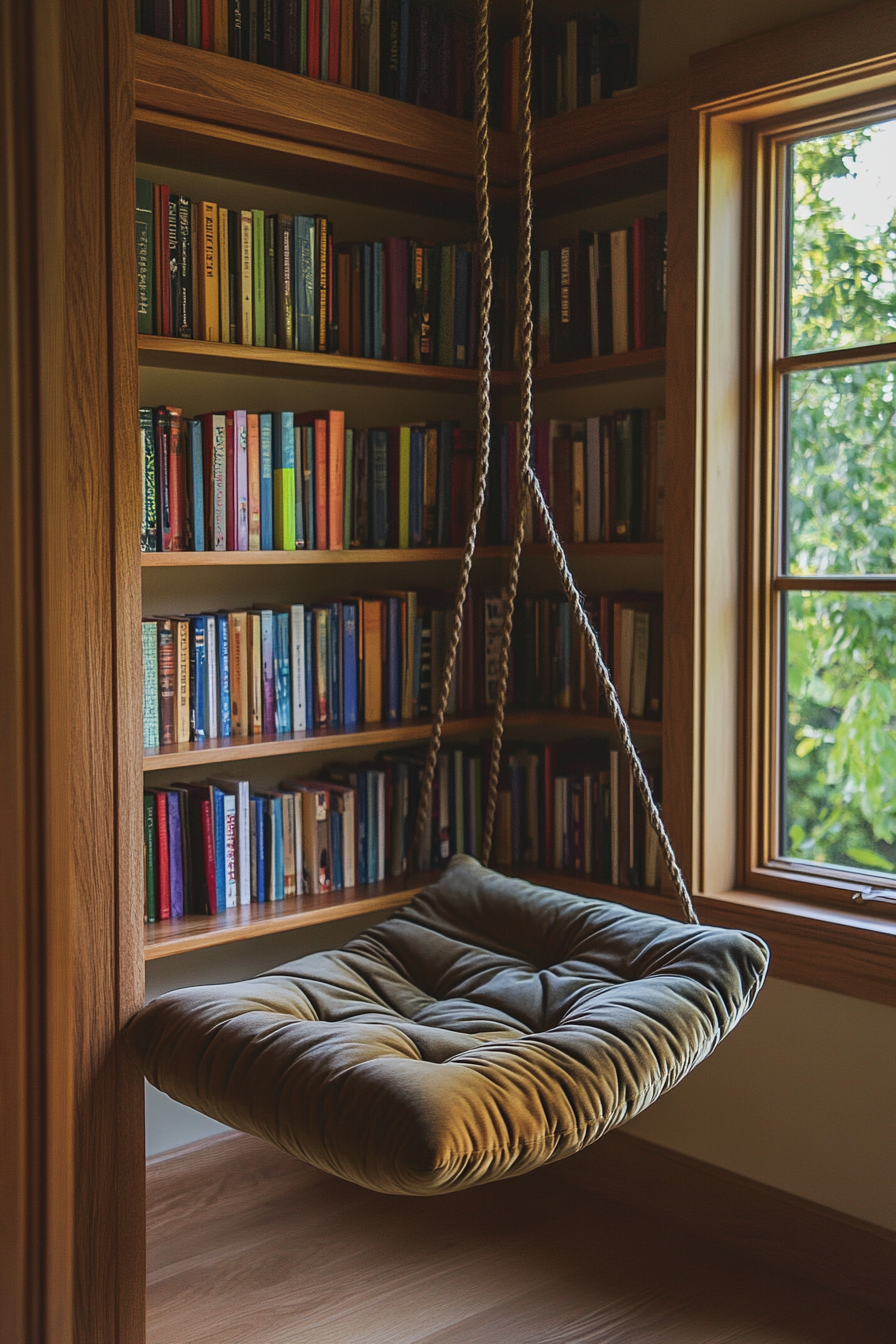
246, 1246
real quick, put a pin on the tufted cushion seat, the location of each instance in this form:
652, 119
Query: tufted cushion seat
486, 1028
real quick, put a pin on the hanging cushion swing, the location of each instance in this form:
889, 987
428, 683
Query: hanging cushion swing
488, 1027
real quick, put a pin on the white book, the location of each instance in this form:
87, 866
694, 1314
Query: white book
236, 795
211, 671
297, 665
619, 289
349, 834
640, 645
230, 852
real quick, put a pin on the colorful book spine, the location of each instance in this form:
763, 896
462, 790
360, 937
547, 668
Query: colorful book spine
150, 685
266, 486
284, 493
144, 232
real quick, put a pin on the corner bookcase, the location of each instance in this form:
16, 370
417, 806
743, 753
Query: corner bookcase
212, 126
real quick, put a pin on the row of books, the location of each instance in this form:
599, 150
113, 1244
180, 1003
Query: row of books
418, 51
602, 293
574, 64
241, 277
284, 480
380, 658
215, 846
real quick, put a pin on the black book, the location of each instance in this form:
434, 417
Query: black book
233, 264
162, 25
604, 294
289, 36
237, 37
390, 48
173, 270
184, 310
146, 17
444, 475
285, 297
270, 280
429, 317
269, 33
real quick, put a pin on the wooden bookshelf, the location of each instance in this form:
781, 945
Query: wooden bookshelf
386, 556
170, 937
220, 749
170, 352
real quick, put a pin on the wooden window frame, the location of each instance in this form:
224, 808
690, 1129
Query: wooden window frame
766, 264
844, 61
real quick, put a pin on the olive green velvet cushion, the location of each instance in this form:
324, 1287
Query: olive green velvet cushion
486, 1028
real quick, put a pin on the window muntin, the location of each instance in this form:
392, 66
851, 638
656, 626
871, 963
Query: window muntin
834, 581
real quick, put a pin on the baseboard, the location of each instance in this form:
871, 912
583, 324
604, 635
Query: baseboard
794, 1235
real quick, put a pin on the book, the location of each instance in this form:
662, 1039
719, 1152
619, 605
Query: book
144, 237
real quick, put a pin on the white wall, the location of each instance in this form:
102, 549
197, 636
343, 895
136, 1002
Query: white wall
671, 30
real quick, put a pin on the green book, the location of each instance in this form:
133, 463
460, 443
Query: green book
348, 491
258, 259
143, 225
149, 855
194, 24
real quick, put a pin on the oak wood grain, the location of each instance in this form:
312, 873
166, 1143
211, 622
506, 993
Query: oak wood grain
286, 744
248, 1246
386, 556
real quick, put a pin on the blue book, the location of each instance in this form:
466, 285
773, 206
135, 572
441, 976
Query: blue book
349, 664
393, 660
195, 485
337, 876
220, 852
309, 670
360, 785
266, 455
463, 266
175, 856
223, 676
258, 852
415, 502
367, 300
273, 809
377, 327
418, 651
282, 677
378, 489
198, 680
334, 669
305, 288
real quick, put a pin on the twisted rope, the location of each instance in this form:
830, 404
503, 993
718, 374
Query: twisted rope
484, 421
529, 485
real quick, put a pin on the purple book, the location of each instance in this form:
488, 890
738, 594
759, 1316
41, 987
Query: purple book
175, 856
241, 449
396, 250
268, 675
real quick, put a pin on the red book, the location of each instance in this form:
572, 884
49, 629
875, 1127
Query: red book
179, 20
335, 39
208, 849
463, 467
396, 260
320, 419
314, 39
232, 485
336, 478
207, 25
163, 870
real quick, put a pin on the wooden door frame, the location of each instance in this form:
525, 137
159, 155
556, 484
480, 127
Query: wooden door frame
72, 1262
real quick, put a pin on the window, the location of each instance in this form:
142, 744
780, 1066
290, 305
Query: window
829, 467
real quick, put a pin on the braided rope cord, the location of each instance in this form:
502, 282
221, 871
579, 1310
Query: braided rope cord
529, 485
484, 419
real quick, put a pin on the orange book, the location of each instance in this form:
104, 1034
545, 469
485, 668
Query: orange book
372, 625
209, 280
220, 26
255, 687
329, 476
254, 450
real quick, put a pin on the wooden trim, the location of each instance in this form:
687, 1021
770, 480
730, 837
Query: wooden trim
835, 583
831, 359
845, 950
793, 1236
213, 752
171, 937
386, 556
850, 51
37, 1100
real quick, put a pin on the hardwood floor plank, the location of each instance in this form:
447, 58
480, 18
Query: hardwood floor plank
246, 1246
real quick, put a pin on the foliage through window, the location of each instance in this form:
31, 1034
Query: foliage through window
837, 517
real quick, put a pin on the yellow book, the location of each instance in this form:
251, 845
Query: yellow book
224, 272
182, 681
209, 280
239, 673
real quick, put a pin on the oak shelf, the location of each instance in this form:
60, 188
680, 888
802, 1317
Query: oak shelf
173, 352
384, 556
171, 937
219, 749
